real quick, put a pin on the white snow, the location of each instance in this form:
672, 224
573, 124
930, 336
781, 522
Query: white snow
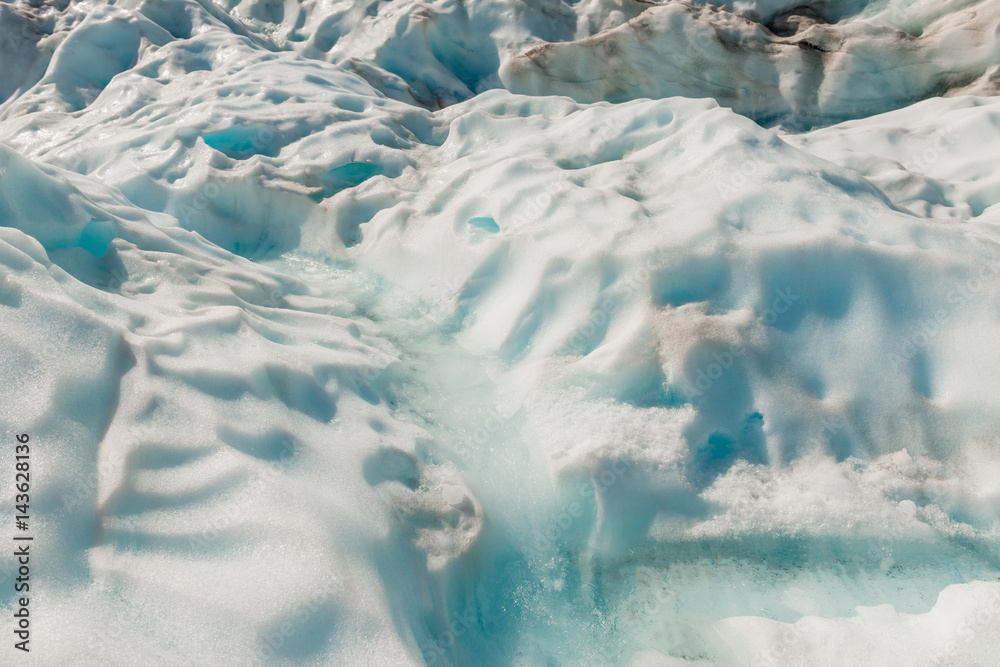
501, 333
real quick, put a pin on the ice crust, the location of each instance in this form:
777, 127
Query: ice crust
343, 338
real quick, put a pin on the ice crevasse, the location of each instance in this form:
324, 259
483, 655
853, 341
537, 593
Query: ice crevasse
500, 333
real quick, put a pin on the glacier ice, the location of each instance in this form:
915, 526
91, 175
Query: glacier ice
501, 333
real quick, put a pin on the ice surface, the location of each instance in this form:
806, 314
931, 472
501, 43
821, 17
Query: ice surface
493, 333
799, 68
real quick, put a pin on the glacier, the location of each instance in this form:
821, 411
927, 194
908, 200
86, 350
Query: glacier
607, 332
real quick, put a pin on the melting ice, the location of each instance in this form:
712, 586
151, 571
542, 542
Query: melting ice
497, 333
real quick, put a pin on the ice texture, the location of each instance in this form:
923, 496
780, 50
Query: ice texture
503, 333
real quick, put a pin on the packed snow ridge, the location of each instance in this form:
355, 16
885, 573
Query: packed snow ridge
500, 333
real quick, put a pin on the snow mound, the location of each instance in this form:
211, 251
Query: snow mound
801, 68
504, 333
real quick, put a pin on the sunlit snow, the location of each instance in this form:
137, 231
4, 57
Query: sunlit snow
492, 332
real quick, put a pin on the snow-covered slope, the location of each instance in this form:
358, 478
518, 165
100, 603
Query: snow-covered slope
342, 338
799, 68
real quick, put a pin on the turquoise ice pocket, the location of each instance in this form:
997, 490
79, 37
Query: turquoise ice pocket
346, 176
351, 174
489, 224
236, 139
96, 237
